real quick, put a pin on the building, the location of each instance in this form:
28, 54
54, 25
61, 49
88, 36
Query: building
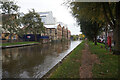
5, 35
68, 34
64, 33
51, 31
103, 36
57, 32
47, 18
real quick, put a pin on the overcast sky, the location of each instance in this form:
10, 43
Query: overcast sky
60, 12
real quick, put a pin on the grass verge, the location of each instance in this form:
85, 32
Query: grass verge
108, 67
70, 66
17, 43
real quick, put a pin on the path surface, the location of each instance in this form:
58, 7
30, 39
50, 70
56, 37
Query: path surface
87, 62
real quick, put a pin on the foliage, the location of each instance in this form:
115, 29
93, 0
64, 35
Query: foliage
9, 16
9, 7
75, 37
81, 35
106, 13
32, 23
93, 11
90, 29
10, 23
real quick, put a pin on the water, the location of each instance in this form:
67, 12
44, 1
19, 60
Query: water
34, 61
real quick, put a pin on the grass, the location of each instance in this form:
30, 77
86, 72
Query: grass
108, 67
17, 43
70, 66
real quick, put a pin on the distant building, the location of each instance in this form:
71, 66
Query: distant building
51, 31
5, 0
64, 32
68, 34
57, 32
47, 18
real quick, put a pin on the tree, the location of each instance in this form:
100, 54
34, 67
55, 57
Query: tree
9, 7
81, 36
91, 30
74, 37
9, 17
32, 23
102, 13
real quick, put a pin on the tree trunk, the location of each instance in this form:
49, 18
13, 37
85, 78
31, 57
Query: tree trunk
117, 30
106, 37
35, 37
116, 34
10, 40
95, 40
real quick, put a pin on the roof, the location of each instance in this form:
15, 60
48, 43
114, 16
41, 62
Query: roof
44, 13
62, 24
55, 26
69, 31
51, 26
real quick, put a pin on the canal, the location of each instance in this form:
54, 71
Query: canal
34, 61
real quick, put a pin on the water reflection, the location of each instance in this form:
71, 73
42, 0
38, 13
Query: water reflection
34, 61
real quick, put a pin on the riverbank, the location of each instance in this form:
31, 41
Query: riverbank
106, 65
109, 65
69, 66
18, 44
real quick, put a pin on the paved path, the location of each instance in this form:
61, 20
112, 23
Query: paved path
87, 62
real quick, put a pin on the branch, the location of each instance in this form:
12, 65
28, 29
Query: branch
107, 19
110, 12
